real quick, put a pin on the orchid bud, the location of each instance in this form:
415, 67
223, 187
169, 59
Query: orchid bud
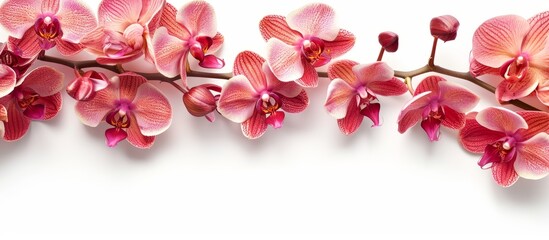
444, 27
389, 41
199, 101
84, 87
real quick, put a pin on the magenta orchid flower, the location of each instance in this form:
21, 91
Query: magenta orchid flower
41, 25
256, 98
308, 38
352, 93
513, 144
125, 30
36, 96
136, 110
191, 30
435, 102
515, 49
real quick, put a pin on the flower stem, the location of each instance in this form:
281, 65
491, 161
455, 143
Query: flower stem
433, 51
407, 75
380, 56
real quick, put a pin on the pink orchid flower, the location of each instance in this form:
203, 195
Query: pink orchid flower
125, 30
36, 96
306, 39
190, 30
352, 93
515, 49
256, 98
41, 25
136, 110
513, 144
84, 86
435, 102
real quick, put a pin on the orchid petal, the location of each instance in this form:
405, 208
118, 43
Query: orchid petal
389, 87
217, 43
255, 126
168, 20
76, 20
199, 18
114, 135
504, 174
310, 76
367, 73
52, 105
168, 50
275, 26
431, 126
45, 81
533, 157
543, 95
477, 69
50, 6
3, 115
19, 15
237, 101
7, 80
35, 111
340, 95
118, 15
343, 69
411, 113
136, 138
129, 83
152, 110
494, 51
17, 125
276, 119
457, 97
344, 41
92, 112
28, 45
93, 41
250, 64
295, 104
149, 11
452, 118
501, 120
316, 20
474, 137
372, 112
287, 89
284, 60
211, 61
537, 123
352, 120
535, 39
123, 59
430, 83
67, 48
509, 90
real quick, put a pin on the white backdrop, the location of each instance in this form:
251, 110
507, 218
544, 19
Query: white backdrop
303, 181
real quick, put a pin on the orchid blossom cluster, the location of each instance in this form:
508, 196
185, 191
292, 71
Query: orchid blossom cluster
261, 90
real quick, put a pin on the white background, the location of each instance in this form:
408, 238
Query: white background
303, 181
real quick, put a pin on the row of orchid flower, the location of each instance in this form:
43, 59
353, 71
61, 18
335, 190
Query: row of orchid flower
261, 90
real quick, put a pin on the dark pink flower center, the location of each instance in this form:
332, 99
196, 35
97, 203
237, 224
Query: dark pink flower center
368, 105
198, 49
498, 152
515, 69
314, 51
120, 121
48, 28
28, 102
269, 105
433, 116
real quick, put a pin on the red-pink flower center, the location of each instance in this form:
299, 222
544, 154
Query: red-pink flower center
47, 27
314, 51
28, 102
433, 115
118, 120
198, 48
268, 104
515, 69
500, 151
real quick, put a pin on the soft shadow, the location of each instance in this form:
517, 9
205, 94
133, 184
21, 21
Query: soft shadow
524, 192
8, 150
